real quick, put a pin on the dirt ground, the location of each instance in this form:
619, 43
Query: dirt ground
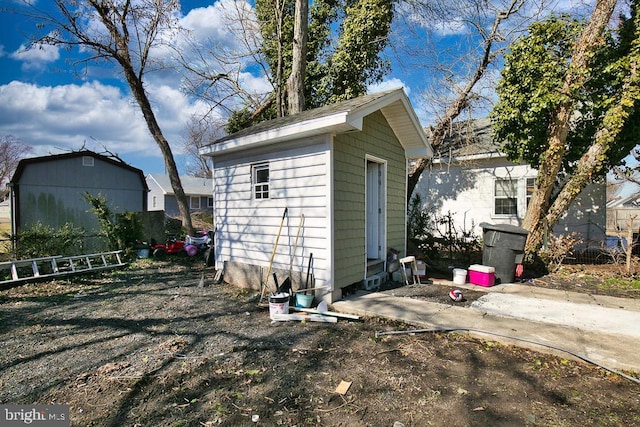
147, 346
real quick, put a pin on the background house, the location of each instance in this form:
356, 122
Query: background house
623, 212
51, 189
162, 198
5, 211
474, 182
343, 167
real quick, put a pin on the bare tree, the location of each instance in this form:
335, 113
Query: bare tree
214, 72
627, 173
12, 150
201, 132
492, 32
124, 33
295, 83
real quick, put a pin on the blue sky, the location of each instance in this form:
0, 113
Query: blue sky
48, 106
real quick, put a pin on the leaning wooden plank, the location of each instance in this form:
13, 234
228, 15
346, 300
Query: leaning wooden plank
327, 313
284, 317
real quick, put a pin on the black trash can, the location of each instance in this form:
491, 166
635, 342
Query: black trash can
503, 249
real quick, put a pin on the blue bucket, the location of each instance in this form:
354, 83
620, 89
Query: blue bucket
304, 300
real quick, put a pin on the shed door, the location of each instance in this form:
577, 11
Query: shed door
375, 207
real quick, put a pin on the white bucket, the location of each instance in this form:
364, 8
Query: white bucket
278, 304
459, 276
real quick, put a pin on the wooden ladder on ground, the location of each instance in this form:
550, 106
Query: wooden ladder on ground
26, 270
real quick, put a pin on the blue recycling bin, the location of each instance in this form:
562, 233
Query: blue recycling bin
503, 249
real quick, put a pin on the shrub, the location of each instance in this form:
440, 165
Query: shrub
120, 231
557, 249
41, 240
438, 239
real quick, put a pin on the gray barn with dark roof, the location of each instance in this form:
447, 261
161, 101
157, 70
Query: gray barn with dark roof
51, 189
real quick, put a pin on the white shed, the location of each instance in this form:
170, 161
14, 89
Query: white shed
340, 172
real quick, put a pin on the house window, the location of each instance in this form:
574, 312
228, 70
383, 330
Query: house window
87, 161
209, 202
531, 183
260, 180
506, 197
194, 201
154, 201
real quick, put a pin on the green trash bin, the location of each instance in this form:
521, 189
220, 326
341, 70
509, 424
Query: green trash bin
503, 249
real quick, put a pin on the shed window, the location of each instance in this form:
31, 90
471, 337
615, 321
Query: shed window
506, 197
194, 201
260, 180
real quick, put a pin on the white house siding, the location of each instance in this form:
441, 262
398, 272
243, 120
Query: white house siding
155, 197
350, 153
468, 194
246, 228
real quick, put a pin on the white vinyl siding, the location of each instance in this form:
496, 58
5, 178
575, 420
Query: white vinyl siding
468, 195
247, 228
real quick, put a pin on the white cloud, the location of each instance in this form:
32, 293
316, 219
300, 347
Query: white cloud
56, 118
219, 21
62, 118
36, 57
392, 83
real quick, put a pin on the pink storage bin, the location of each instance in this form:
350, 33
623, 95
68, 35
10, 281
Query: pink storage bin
482, 275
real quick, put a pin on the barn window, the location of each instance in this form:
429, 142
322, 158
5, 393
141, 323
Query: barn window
260, 181
87, 161
506, 197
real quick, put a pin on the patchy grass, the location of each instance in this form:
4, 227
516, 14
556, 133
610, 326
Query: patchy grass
603, 279
147, 346
623, 283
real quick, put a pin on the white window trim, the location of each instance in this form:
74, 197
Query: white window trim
254, 181
521, 196
499, 215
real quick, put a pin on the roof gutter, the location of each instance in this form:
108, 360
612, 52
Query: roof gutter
329, 124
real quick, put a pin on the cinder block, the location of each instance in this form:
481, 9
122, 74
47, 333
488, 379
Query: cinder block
373, 282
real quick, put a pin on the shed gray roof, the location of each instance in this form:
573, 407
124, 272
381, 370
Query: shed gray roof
73, 154
469, 138
192, 186
340, 117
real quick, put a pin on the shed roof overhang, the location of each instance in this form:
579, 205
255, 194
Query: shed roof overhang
334, 119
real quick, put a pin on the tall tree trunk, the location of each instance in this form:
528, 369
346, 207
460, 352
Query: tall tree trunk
536, 219
279, 16
140, 95
593, 160
295, 83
